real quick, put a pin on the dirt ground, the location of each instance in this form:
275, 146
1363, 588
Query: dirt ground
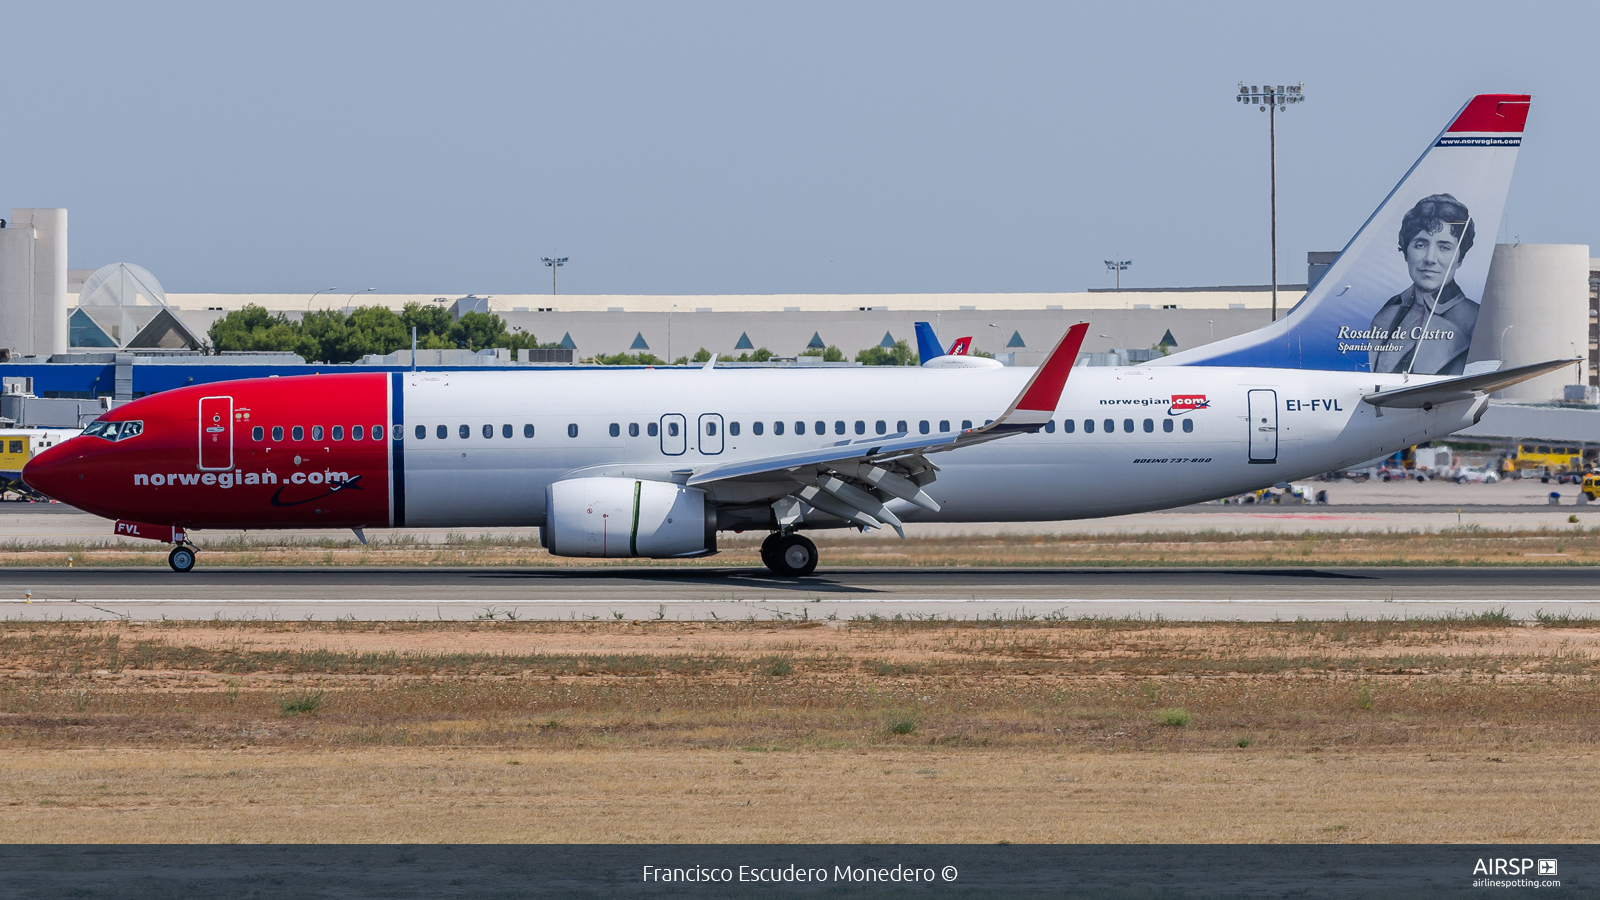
1458, 729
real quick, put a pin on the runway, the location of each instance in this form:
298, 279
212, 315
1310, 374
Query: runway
642, 592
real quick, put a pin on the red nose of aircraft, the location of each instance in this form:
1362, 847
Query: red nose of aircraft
57, 470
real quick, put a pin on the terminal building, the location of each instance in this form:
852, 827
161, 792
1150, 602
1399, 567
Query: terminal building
111, 333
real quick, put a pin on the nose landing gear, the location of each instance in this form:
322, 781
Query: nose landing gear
181, 559
790, 555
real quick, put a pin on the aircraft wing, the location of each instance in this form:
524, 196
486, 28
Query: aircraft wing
1438, 393
853, 480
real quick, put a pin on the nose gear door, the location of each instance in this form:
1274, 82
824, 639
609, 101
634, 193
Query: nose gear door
1263, 426
216, 433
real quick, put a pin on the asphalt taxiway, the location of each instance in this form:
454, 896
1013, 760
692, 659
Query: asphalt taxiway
649, 592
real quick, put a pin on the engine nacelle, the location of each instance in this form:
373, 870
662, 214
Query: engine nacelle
623, 517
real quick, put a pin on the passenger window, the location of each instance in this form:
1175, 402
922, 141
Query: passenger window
879, 426
616, 430
711, 429
756, 428
527, 431
633, 429
900, 427
488, 431
1088, 426
338, 432
922, 427
377, 432
822, 427
944, 425
1166, 425
357, 432
1068, 425
861, 427
298, 433
257, 433
1188, 425
277, 432
672, 429
733, 429
465, 431
316, 432
572, 430
838, 426
799, 428
422, 432
777, 428
505, 430
1111, 425
966, 424
1127, 425
651, 429
1149, 426
1050, 427
443, 431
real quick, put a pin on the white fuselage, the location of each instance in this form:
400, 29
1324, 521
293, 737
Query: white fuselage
1251, 428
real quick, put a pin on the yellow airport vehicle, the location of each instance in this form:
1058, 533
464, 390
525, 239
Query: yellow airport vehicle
1554, 457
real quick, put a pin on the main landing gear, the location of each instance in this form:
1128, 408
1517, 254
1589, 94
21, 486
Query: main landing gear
181, 559
789, 554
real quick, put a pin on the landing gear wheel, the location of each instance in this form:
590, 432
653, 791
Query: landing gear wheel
181, 559
793, 556
769, 550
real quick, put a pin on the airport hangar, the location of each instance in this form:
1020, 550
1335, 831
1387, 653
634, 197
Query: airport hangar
113, 332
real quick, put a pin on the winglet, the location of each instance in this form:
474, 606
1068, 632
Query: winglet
1037, 402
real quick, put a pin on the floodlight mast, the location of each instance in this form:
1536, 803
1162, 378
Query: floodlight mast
1117, 266
554, 264
1272, 101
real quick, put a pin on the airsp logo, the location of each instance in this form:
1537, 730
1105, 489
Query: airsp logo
1500, 866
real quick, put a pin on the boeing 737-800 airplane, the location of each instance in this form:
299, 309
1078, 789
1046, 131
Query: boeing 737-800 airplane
654, 462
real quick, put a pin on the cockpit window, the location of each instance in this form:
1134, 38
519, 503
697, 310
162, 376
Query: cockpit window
114, 431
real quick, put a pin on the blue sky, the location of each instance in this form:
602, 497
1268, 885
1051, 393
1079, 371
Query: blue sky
686, 148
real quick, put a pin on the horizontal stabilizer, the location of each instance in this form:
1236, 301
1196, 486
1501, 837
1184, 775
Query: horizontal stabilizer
1438, 393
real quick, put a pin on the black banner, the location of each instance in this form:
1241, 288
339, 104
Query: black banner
1123, 872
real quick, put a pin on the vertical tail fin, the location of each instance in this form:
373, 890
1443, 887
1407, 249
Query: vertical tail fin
927, 342
1403, 296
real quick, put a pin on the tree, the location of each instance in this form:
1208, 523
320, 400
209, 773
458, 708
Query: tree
900, 354
832, 354
644, 358
253, 328
377, 329
479, 331
430, 320
760, 355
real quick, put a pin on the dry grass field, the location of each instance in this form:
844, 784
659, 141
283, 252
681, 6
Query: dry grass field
1457, 729
1464, 546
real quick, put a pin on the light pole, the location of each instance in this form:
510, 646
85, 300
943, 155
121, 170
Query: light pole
314, 296
554, 264
1272, 102
1118, 266
669, 334
351, 299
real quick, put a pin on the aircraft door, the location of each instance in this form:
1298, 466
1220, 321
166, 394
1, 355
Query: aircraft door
710, 434
1263, 426
674, 434
216, 433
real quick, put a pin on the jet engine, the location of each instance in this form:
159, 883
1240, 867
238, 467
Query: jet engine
623, 517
